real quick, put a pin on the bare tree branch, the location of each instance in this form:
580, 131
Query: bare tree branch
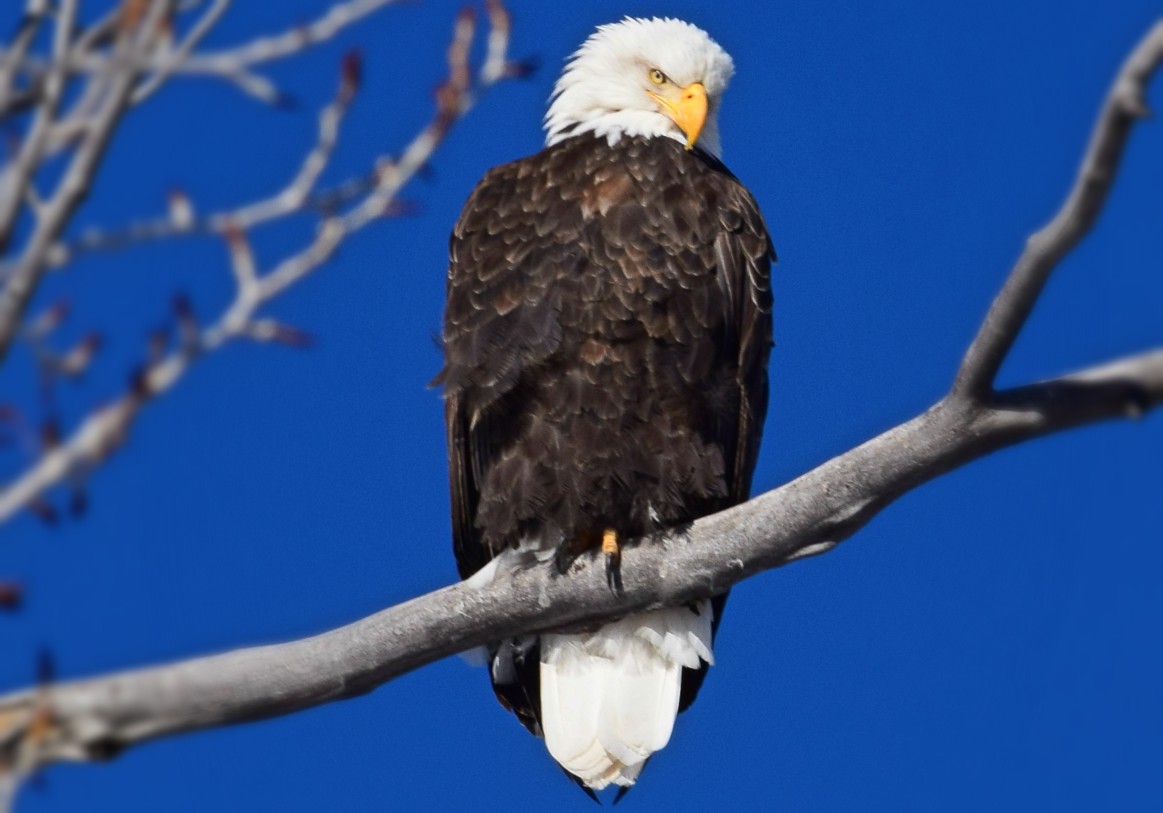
54, 215
180, 54
458, 95
97, 718
94, 719
138, 33
15, 179
1126, 103
288, 43
299, 195
232, 64
11, 98
104, 431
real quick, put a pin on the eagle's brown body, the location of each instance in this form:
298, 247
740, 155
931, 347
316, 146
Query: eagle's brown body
606, 339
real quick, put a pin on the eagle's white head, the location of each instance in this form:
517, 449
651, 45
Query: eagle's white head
639, 77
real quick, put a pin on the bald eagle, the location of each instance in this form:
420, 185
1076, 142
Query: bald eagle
606, 335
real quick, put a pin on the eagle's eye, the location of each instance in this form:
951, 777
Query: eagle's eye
657, 76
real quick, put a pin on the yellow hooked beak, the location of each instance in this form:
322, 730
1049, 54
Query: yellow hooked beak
687, 107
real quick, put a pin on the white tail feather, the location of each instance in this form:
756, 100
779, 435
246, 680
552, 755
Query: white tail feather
609, 697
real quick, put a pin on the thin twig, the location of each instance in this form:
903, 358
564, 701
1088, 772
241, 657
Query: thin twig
288, 43
297, 196
235, 64
106, 429
15, 180
12, 100
56, 213
182, 52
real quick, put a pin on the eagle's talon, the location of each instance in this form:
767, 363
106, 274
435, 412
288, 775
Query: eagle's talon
614, 572
613, 553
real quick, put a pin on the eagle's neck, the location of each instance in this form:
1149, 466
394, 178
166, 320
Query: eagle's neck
573, 114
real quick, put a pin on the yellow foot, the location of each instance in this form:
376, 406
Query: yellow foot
613, 552
610, 543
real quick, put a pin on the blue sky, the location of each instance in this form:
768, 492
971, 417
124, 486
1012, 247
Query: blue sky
990, 641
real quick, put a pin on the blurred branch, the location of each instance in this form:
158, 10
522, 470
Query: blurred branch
16, 176
123, 59
299, 195
95, 129
235, 64
98, 718
13, 99
182, 53
289, 43
102, 432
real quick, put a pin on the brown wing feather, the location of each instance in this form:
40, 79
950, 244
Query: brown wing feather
743, 256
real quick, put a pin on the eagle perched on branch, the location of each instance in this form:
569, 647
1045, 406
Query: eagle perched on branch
606, 336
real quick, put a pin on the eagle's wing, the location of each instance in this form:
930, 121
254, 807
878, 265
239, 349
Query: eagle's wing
743, 255
513, 238
515, 234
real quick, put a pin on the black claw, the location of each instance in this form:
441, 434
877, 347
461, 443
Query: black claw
563, 558
614, 571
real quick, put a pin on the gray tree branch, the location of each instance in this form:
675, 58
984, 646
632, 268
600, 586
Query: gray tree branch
102, 432
54, 215
97, 718
1126, 103
234, 64
124, 58
94, 719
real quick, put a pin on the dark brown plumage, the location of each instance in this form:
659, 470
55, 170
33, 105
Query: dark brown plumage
606, 337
